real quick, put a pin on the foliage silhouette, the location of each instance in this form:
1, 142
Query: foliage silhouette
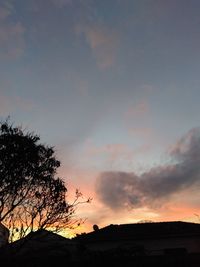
31, 196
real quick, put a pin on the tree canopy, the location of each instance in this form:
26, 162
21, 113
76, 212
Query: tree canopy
32, 197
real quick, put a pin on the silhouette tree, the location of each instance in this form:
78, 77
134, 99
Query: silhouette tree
31, 196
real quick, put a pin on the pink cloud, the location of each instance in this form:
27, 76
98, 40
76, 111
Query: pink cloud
113, 152
61, 3
4, 13
158, 185
141, 132
103, 43
137, 118
11, 104
114, 156
12, 41
139, 110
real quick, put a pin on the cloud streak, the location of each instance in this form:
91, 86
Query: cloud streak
61, 3
151, 189
10, 104
103, 43
12, 41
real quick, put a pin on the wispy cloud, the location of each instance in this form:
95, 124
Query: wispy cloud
138, 110
112, 151
61, 3
103, 43
154, 187
12, 41
10, 104
4, 12
141, 132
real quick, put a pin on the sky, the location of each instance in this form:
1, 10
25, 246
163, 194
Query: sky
114, 86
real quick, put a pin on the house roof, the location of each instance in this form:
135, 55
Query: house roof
41, 236
138, 231
4, 229
41, 242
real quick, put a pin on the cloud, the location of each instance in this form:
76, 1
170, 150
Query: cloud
11, 104
4, 13
12, 41
103, 43
141, 132
141, 109
151, 189
113, 151
112, 156
61, 3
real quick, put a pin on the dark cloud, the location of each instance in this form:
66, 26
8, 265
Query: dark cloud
120, 189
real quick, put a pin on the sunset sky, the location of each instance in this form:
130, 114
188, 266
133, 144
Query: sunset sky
114, 86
